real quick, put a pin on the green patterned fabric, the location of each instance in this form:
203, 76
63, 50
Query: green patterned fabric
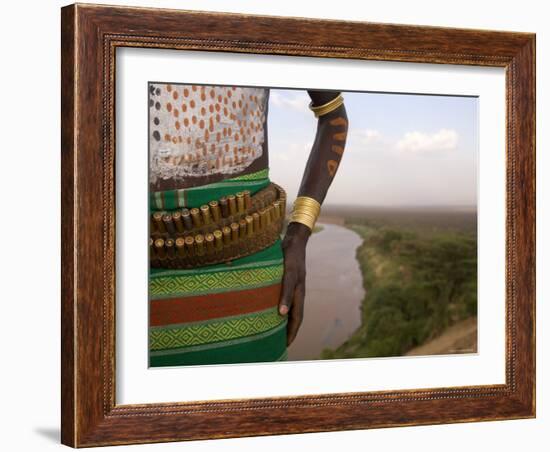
214, 330
197, 196
268, 346
243, 337
258, 270
262, 174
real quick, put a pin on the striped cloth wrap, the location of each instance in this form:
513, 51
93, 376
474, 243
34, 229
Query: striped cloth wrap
217, 314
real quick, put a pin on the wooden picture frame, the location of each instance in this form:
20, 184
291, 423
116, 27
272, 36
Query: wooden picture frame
90, 35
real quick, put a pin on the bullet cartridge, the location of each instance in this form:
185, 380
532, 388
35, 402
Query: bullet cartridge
178, 223
256, 218
240, 202
157, 218
218, 239
205, 211
249, 225
242, 228
196, 217
263, 219
170, 248
152, 251
199, 244
186, 218
168, 223
209, 239
224, 206
180, 247
190, 246
232, 205
215, 210
159, 246
276, 210
247, 200
234, 232
226, 231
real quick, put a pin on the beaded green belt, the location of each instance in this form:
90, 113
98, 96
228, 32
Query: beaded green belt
229, 228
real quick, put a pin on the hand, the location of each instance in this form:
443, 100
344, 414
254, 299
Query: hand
294, 278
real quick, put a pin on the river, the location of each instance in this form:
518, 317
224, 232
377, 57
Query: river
334, 291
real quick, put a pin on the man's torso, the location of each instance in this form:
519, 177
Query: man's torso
204, 134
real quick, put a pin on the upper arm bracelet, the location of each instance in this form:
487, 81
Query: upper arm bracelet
328, 107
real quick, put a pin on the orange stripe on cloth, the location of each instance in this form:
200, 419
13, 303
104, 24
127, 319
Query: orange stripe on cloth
205, 307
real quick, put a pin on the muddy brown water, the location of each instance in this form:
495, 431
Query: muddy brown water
334, 291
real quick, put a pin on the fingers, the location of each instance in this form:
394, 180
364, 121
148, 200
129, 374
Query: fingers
296, 313
287, 292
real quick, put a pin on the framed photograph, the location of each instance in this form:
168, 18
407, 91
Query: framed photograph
281, 225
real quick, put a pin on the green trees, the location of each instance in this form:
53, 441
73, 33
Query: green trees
417, 284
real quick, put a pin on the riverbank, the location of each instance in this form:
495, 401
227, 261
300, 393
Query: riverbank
419, 279
459, 338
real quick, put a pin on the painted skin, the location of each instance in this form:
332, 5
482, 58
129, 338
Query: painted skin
321, 167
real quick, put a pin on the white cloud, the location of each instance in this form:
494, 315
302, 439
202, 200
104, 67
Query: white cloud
443, 140
296, 102
366, 136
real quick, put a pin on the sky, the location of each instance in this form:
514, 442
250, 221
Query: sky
402, 149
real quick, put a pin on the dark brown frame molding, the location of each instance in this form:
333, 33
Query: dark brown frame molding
90, 35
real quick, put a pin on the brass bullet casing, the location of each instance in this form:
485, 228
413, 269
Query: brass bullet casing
276, 210
240, 202
186, 218
205, 211
242, 228
249, 225
157, 218
199, 244
209, 239
267, 199
247, 200
168, 224
260, 204
269, 212
190, 245
152, 225
176, 218
263, 219
282, 207
215, 211
232, 205
196, 217
159, 246
256, 218
218, 239
226, 231
152, 251
170, 248
180, 247
234, 232
224, 205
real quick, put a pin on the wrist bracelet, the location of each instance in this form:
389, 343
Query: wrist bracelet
328, 107
306, 211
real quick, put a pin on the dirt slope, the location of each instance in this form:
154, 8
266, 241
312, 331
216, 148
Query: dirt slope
459, 338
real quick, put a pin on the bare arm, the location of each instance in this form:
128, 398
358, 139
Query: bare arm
322, 165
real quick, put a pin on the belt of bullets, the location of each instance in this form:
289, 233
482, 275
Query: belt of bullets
222, 230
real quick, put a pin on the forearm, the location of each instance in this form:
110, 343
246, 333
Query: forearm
321, 168
325, 155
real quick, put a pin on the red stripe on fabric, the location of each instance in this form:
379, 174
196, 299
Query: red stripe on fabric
206, 307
